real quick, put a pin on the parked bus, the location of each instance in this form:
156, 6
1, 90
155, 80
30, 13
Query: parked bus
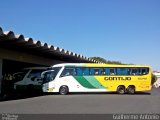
28, 79
89, 77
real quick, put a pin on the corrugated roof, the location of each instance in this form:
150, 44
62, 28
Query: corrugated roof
9, 38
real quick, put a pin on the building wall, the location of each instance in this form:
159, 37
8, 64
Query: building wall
24, 57
1, 62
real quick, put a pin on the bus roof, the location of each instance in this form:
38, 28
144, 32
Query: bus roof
36, 68
95, 65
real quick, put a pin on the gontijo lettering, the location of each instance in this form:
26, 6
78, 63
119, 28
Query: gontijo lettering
117, 78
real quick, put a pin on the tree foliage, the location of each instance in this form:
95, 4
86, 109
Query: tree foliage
99, 59
102, 60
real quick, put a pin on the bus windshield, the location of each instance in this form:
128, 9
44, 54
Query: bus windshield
50, 75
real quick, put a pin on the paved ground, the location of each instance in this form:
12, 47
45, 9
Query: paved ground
85, 103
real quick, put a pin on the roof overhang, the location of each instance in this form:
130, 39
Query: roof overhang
9, 40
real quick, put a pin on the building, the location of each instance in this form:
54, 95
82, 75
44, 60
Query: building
157, 74
18, 52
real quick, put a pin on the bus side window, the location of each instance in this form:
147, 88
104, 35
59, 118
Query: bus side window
122, 71
145, 71
129, 71
85, 71
136, 71
91, 71
79, 71
68, 72
97, 71
112, 71
102, 71
82, 71
106, 71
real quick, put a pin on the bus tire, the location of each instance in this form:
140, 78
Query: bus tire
63, 90
121, 89
131, 89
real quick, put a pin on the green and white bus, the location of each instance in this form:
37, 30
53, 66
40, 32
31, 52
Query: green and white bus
90, 77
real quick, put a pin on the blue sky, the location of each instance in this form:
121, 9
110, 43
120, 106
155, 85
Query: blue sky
120, 30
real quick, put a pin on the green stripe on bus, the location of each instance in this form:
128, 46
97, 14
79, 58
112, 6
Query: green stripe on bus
83, 82
93, 81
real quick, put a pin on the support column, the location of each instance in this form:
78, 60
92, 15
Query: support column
1, 62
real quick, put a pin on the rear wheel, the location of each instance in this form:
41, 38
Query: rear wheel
121, 90
63, 90
131, 89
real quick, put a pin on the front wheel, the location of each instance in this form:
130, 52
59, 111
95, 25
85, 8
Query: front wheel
63, 90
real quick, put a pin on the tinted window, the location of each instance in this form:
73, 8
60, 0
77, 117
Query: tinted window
139, 71
107, 71
68, 72
126, 71
122, 71
85, 71
145, 71
112, 71
49, 76
134, 71
35, 73
19, 75
82, 71
97, 71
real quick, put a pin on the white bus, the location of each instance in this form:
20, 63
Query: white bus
89, 77
28, 79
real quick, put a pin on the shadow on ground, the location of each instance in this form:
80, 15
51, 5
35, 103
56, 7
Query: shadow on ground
109, 93
7, 97
17, 96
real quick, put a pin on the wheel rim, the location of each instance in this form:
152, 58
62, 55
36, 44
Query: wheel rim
131, 90
121, 90
63, 90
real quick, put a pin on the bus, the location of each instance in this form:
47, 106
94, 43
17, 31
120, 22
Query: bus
92, 77
28, 79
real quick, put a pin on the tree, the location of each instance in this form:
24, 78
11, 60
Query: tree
102, 60
99, 59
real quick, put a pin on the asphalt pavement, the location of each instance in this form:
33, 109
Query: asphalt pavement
85, 103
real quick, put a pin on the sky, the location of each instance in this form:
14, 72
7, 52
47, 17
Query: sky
120, 30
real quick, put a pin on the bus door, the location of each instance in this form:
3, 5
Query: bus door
48, 80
